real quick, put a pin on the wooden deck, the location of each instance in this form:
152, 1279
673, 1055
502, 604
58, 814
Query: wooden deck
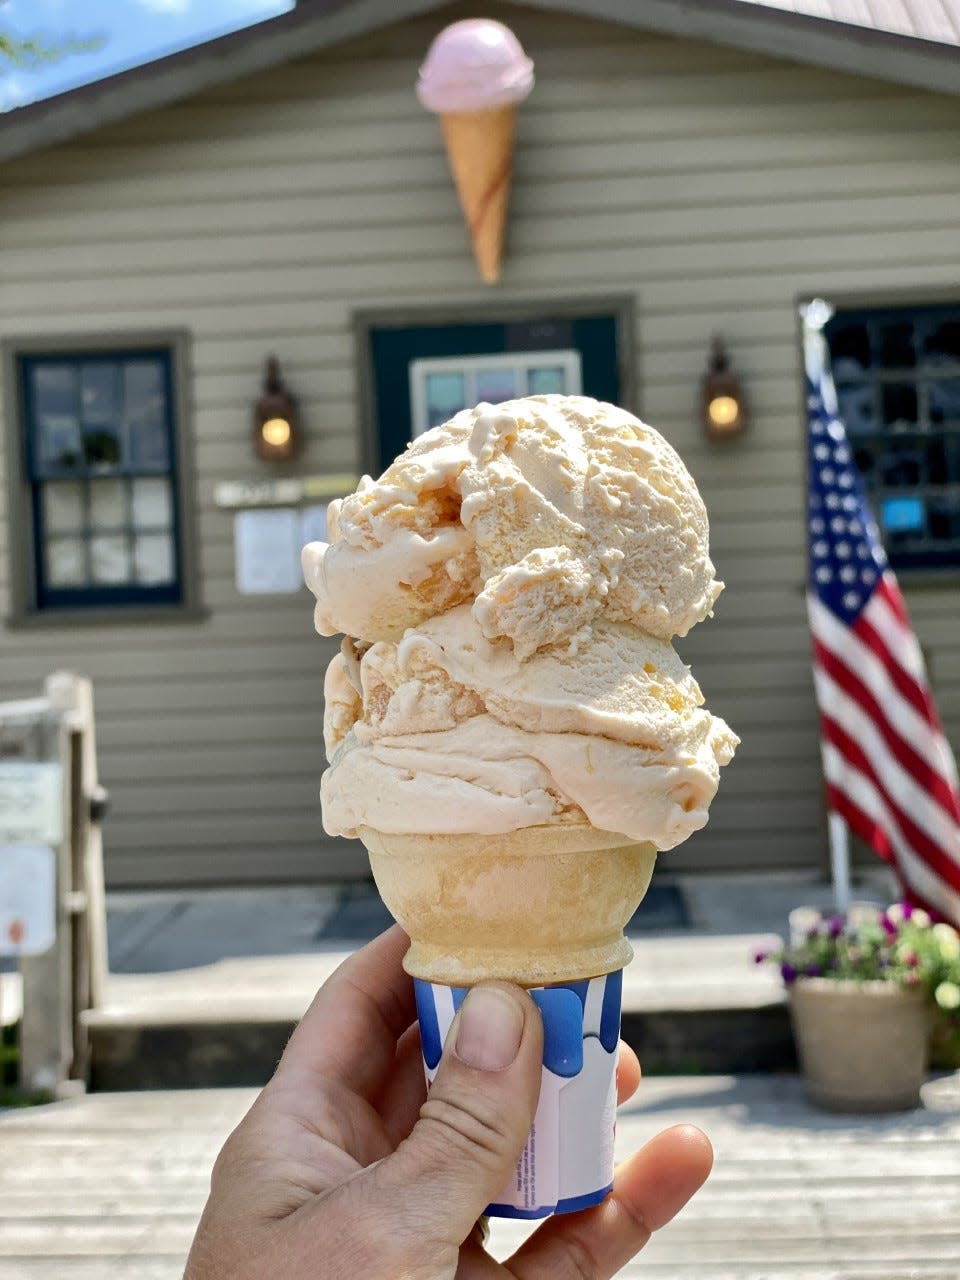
110, 1185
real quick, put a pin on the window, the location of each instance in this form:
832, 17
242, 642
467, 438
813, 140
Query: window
420, 367
441, 388
897, 373
100, 491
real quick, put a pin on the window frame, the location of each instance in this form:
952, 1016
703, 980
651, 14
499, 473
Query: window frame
24, 541
620, 307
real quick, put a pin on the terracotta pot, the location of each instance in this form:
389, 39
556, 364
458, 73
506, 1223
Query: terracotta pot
862, 1046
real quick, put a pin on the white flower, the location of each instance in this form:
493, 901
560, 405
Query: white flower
947, 995
920, 918
895, 913
948, 940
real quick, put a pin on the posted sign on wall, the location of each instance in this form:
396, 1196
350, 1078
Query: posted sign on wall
31, 822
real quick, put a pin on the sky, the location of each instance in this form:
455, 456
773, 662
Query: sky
127, 32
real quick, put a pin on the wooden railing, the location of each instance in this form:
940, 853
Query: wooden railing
51, 807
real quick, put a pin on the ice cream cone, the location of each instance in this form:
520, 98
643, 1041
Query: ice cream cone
535, 906
480, 151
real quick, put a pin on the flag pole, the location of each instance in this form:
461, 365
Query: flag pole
839, 862
815, 315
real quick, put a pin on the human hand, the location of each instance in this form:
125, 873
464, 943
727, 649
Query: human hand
345, 1169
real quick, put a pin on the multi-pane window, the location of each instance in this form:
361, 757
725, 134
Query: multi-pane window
897, 373
439, 388
101, 469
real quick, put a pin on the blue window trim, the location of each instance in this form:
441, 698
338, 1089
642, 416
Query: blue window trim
99, 597
393, 347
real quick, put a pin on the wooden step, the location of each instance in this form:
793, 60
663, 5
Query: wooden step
691, 1004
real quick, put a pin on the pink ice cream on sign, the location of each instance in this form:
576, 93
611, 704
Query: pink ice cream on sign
474, 65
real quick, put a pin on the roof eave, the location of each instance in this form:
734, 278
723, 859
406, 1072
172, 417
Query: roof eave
320, 24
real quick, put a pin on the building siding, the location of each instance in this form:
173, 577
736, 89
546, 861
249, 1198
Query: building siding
717, 187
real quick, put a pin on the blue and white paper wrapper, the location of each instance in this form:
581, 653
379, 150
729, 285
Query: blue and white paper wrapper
567, 1163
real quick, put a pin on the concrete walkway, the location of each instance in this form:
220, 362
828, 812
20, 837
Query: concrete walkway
109, 1187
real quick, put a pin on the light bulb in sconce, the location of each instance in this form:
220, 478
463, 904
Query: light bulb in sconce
723, 402
276, 429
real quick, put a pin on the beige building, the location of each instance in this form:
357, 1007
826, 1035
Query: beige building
682, 171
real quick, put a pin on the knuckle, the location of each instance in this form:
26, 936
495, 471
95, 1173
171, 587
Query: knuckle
580, 1262
564, 1257
467, 1127
634, 1220
225, 1162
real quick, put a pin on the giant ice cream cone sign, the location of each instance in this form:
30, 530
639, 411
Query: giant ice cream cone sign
474, 77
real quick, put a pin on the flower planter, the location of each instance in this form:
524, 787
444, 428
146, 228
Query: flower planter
862, 1045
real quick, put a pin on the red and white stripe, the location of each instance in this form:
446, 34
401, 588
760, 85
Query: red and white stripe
889, 770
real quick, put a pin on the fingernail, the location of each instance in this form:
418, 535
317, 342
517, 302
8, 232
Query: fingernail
491, 1026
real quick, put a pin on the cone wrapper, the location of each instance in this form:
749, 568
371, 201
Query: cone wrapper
480, 153
567, 1162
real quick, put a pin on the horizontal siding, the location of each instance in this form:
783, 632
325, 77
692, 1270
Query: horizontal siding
733, 234
311, 205
714, 186
329, 275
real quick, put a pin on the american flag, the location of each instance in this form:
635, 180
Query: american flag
889, 771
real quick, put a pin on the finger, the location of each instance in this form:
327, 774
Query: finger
406, 1089
628, 1073
648, 1190
404, 1093
349, 1034
471, 1130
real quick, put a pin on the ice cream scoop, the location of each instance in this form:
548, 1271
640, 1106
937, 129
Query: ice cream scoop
474, 65
473, 78
542, 513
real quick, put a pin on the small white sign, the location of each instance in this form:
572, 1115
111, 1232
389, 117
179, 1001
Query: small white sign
283, 492
267, 547
31, 803
28, 889
258, 493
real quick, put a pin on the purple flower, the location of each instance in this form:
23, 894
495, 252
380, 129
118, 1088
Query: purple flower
760, 956
889, 928
788, 972
907, 910
814, 970
835, 926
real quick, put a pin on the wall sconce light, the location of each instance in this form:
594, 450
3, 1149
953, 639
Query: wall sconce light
276, 427
724, 404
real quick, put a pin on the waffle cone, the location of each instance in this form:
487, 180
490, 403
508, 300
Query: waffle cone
480, 152
534, 906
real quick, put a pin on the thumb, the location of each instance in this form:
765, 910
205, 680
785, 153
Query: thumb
474, 1123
